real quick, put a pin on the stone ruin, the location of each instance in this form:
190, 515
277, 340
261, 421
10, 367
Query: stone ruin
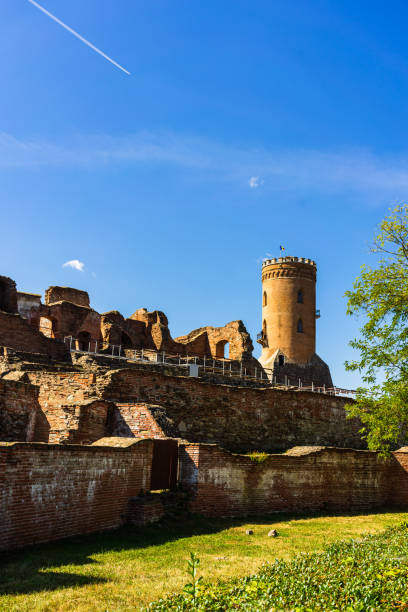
84, 426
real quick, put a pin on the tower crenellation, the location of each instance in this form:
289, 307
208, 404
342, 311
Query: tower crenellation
288, 258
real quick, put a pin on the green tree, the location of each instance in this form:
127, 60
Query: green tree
380, 297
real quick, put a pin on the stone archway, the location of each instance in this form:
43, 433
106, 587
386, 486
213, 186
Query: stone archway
83, 341
222, 349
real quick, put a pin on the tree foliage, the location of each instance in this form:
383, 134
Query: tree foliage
380, 297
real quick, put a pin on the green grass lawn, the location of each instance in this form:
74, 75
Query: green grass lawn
365, 574
127, 568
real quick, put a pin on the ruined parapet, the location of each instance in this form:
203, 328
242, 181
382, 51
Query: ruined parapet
29, 306
157, 327
128, 333
233, 338
66, 294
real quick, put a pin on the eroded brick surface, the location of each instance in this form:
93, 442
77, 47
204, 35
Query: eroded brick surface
237, 418
49, 492
330, 479
18, 410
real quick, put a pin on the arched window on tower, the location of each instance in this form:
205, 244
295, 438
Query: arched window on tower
300, 297
265, 299
300, 326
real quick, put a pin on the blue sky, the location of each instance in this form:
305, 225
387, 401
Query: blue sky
146, 179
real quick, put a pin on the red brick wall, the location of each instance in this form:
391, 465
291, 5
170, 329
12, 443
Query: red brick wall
237, 418
156, 403
18, 409
224, 484
16, 333
78, 423
399, 477
129, 419
49, 492
69, 409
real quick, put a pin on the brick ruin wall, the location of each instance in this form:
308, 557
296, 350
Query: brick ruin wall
237, 418
308, 480
17, 333
48, 492
143, 402
18, 409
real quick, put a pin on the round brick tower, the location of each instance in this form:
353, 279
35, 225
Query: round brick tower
288, 311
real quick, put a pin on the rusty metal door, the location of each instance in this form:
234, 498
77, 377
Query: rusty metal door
164, 464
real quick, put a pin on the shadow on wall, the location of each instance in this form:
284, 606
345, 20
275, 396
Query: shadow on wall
25, 571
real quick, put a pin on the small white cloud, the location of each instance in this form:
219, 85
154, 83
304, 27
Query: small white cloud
264, 258
255, 181
75, 264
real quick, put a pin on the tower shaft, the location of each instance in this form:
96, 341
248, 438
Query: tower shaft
289, 308
288, 336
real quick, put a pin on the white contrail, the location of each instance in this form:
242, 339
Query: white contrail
81, 38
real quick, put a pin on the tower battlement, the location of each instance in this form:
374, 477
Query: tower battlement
288, 259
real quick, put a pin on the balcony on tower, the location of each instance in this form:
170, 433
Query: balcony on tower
262, 339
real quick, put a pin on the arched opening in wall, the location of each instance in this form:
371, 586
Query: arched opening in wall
265, 299
83, 341
300, 297
281, 360
125, 341
300, 326
222, 349
47, 326
3, 296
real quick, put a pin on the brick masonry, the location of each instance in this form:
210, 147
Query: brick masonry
16, 333
48, 492
144, 510
18, 410
306, 479
236, 418
153, 402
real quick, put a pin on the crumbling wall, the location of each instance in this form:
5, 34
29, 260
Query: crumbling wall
236, 418
69, 319
17, 334
66, 294
128, 333
70, 410
139, 420
18, 409
234, 334
78, 423
49, 492
67, 313
303, 480
159, 401
29, 305
208, 341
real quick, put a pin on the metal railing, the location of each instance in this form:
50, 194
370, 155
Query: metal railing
199, 365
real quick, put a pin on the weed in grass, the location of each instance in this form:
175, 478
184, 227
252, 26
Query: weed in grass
191, 588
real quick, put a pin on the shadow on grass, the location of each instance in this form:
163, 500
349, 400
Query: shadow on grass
26, 571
